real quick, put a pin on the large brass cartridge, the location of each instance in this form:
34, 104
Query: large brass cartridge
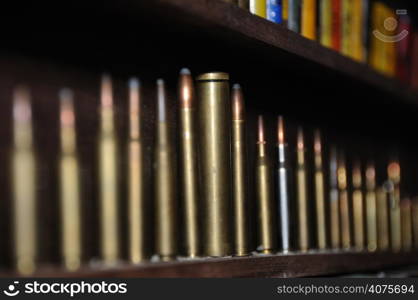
283, 188
358, 210
394, 175
108, 177
334, 204
371, 208
239, 173
406, 225
415, 222
344, 206
267, 222
301, 192
164, 183
24, 184
71, 246
382, 219
135, 173
214, 116
188, 159
319, 193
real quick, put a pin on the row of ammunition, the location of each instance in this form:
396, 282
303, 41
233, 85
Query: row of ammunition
213, 182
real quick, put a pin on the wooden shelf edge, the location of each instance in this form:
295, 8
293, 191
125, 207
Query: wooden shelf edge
217, 16
291, 265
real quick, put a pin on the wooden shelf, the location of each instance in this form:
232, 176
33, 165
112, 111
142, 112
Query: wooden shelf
292, 265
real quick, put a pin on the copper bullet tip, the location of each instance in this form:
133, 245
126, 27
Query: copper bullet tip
280, 130
300, 143
106, 91
161, 100
370, 172
186, 89
134, 83
237, 103
22, 112
317, 142
67, 110
261, 130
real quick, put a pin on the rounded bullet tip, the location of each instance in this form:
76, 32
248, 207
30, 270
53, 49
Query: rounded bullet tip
236, 86
160, 81
185, 71
134, 83
65, 93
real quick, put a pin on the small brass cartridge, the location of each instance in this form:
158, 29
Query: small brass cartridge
371, 208
267, 223
188, 159
214, 115
24, 184
164, 183
239, 173
319, 193
358, 211
283, 190
137, 226
108, 177
344, 206
394, 174
406, 225
302, 193
382, 219
71, 246
334, 200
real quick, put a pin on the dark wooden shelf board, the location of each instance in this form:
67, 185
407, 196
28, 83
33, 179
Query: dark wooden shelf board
292, 265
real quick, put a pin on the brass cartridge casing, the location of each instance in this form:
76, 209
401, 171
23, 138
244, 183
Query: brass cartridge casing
319, 193
406, 225
334, 201
137, 226
371, 208
344, 206
108, 177
301, 193
71, 245
382, 219
164, 183
267, 222
188, 159
24, 181
394, 174
358, 210
214, 116
415, 222
239, 173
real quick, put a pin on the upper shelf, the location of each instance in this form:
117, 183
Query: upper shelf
223, 19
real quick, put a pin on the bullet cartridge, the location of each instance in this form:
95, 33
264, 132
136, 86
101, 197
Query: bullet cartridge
344, 206
137, 226
319, 193
301, 192
188, 159
358, 210
415, 222
24, 182
239, 173
267, 223
214, 116
164, 183
334, 201
406, 225
382, 219
108, 177
371, 208
283, 188
71, 245
394, 174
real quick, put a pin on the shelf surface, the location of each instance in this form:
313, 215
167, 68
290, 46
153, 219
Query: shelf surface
292, 265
